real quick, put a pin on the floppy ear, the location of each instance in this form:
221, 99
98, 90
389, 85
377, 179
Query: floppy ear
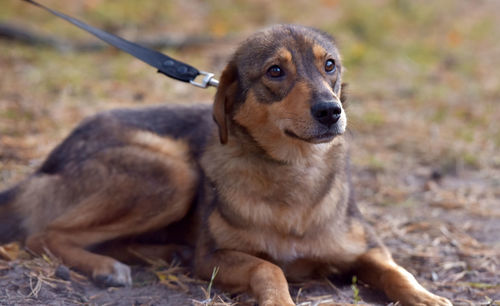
224, 99
343, 92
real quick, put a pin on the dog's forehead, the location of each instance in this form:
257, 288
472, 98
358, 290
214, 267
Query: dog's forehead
259, 47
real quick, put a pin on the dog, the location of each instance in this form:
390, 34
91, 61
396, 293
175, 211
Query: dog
257, 185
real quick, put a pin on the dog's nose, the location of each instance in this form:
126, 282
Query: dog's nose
327, 113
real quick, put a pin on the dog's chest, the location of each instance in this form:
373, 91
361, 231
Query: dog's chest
286, 212
325, 245
289, 201
281, 249
282, 231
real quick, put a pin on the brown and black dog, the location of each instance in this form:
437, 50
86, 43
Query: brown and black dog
263, 193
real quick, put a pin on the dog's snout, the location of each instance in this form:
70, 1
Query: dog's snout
326, 113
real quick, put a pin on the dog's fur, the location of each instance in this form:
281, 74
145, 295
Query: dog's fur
262, 193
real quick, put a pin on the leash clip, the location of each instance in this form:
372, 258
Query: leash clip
208, 80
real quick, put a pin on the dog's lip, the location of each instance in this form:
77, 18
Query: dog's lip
324, 137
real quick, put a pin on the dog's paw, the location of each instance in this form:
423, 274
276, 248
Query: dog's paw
424, 298
118, 276
277, 301
401, 286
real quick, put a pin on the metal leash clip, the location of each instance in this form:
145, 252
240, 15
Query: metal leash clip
208, 80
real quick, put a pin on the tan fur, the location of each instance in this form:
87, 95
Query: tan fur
284, 55
176, 149
267, 124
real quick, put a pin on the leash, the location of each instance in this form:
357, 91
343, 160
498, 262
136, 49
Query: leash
165, 64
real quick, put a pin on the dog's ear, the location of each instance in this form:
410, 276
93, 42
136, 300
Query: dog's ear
224, 99
343, 92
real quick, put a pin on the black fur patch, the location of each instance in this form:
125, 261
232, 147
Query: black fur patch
10, 221
7, 196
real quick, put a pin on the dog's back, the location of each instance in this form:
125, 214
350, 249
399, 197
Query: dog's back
108, 129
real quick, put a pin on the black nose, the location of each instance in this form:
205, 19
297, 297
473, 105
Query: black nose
327, 113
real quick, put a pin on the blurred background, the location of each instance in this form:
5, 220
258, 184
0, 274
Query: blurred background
424, 100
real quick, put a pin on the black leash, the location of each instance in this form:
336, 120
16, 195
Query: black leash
165, 64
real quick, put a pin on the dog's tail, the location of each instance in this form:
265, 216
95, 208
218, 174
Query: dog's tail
10, 220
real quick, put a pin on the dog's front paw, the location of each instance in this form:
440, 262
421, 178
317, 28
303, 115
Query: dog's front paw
401, 286
277, 303
423, 298
116, 275
276, 299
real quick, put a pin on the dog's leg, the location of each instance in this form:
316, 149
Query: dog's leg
105, 271
239, 271
377, 268
139, 191
69, 237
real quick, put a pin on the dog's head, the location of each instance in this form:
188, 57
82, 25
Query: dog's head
283, 87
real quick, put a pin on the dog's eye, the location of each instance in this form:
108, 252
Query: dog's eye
275, 71
330, 66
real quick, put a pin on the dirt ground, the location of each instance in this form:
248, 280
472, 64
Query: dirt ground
423, 122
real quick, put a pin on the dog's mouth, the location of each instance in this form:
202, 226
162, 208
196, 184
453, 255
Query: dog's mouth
319, 138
